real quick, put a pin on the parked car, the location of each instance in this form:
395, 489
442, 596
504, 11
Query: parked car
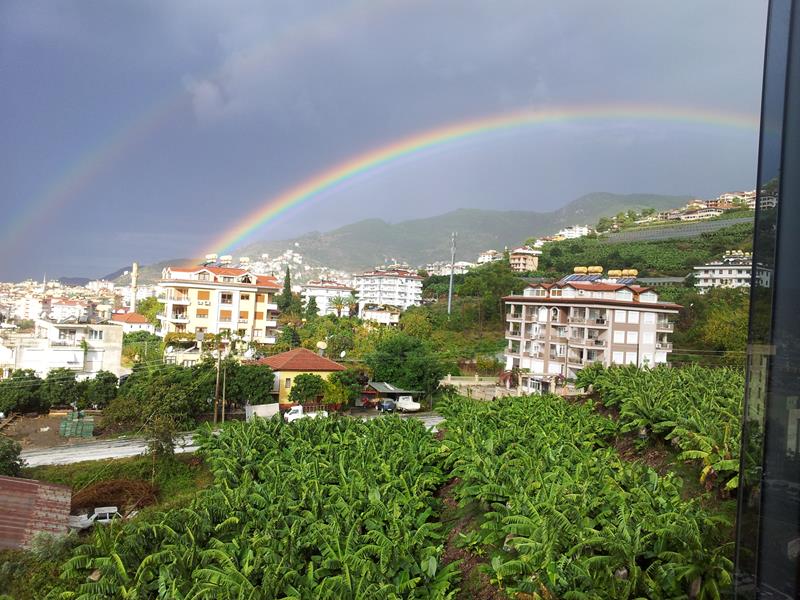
386, 405
407, 404
297, 412
102, 514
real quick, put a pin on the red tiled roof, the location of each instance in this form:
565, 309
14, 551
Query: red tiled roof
299, 359
584, 300
28, 506
261, 280
132, 318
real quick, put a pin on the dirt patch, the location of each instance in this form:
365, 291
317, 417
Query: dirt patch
128, 493
28, 431
475, 583
654, 456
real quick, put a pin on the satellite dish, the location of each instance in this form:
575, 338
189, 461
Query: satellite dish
342, 354
322, 345
169, 350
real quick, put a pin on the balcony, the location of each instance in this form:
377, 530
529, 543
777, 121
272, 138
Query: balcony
598, 322
270, 324
513, 334
179, 317
665, 326
514, 316
270, 306
578, 320
577, 341
181, 299
664, 346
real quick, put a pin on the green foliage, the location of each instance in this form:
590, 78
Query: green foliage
669, 257
565, 517
102, 389
312, 310
150, 308
321, 508
10, 462
254, 384
21, 392
307, 387
142, 345
61, 388
407, 362
338, 304
697, 409
488, 284
350, 382
284, 299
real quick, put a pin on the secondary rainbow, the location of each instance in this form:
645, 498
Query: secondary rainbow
418, 144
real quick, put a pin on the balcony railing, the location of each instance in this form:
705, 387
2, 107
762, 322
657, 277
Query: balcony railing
598, 321
665, 325
179, 317
577, 320
663, 345
515, 316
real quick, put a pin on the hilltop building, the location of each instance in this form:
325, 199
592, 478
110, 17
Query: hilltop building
393, 287
524, 259
734, 270
323, 291
574, 231
219, 300
488, 256
555, 329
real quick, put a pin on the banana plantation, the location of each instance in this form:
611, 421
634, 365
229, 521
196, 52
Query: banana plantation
341, 508
697, 409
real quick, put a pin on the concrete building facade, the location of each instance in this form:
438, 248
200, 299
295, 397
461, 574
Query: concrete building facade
393, 287
733, 270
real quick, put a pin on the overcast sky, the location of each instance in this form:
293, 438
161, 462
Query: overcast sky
142, 130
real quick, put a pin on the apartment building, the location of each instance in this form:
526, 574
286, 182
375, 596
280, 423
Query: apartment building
85, 348
62, 309
393, 287
488, 256
733, 270
324, 291
219, 300
524, 259
133, 322
554, 330
574, 231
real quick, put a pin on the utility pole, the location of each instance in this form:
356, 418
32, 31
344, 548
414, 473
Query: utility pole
452, 268
224, 381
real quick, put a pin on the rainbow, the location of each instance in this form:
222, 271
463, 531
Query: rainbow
418, 144
101, 157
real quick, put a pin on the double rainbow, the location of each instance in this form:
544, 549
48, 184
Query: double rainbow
418, 144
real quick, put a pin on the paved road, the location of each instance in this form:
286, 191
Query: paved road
122, 448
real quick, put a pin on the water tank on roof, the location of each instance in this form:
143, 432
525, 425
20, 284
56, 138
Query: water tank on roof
615, 273
226, 259
634, 272
211, 257
244, 260
596, 269
582, 270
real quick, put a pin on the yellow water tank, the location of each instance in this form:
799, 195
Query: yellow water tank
615, 273
581, 270
634, 272
596, 269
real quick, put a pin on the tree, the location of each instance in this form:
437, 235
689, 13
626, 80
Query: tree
352, 304
150, 308
143, 346
349, 384
338, 303
306, 387
101, 390
61, 388
407, 362
289, 338
254, 383
285, 297
604, 224
21, 392
416, 323
311, 308
10, 462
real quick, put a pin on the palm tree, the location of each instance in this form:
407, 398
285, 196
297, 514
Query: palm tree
338, 304
352, 303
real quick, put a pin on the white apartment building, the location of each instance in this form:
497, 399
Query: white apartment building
219, 300
700, 214
488, 256
554, 330
381, 315
732, 271
392, 287
28, 309
444, 268
85, 348
323, 291
574, 231
62, 310
524, 259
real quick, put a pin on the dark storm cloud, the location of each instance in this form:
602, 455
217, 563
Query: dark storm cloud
267, 93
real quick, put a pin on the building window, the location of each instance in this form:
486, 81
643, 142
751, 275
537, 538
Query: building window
287, 383
260, 298
204, 295
554, 314
170, 360
619, 316
259, 315
202, 313
633, 316
244, 297
95, 334
225, 316
632, 337
226, 298
202, 277
257, 333
244, 315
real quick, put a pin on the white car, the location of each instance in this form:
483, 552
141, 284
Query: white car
102, 514
407, 404
296, 412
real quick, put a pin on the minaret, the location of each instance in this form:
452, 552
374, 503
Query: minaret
134, 280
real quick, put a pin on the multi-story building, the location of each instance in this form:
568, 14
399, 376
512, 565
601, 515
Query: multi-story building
574, 231
700, 214
392, 287
524, 259
488, 256
732, 271
61, 310
219, 300
324, 291
133, 322
85, 348
554, 330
